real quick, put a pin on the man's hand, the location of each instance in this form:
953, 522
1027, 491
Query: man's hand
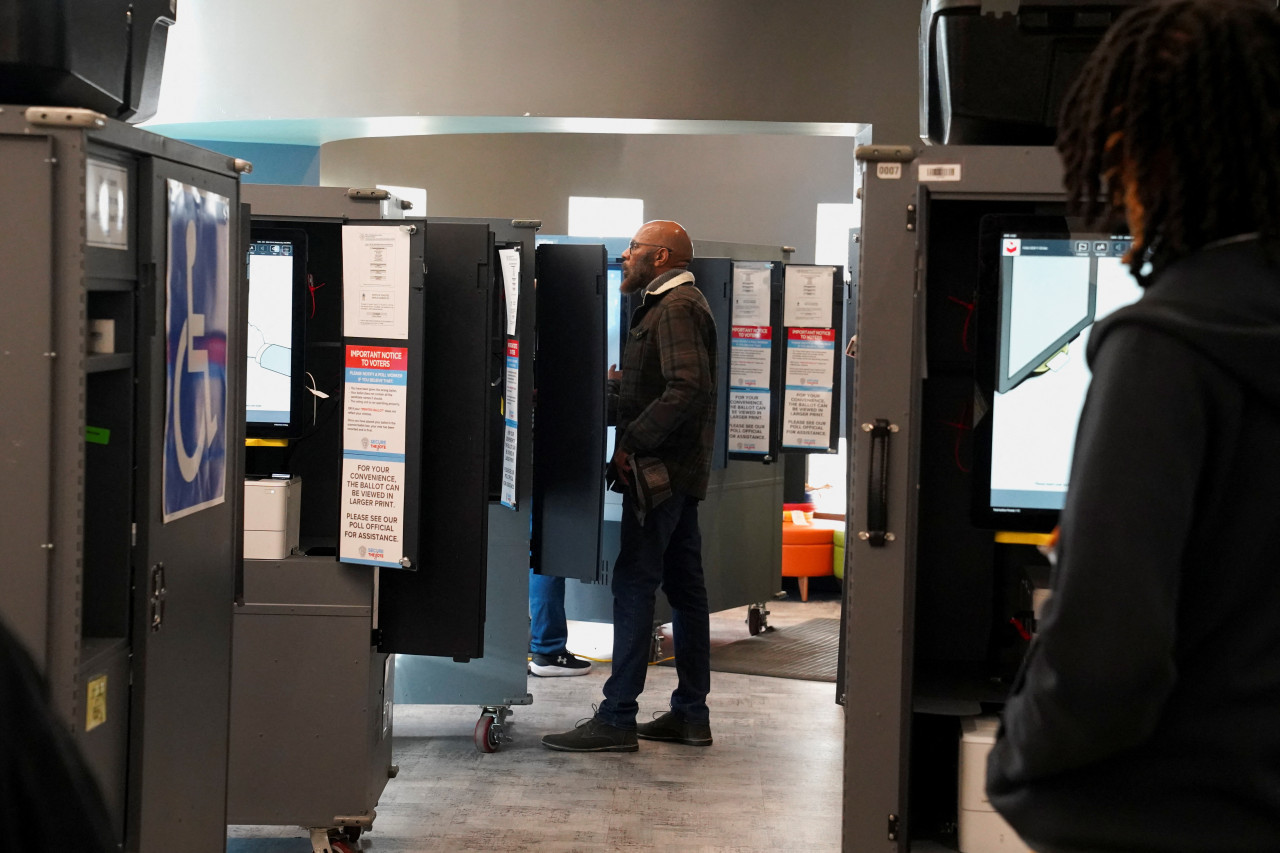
615, 375
622, 465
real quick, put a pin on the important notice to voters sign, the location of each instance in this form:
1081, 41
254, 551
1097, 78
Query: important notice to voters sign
373, 460
750, 352
806, 412
750, 359
511, 424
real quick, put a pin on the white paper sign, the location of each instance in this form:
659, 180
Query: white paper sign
807, 407
372, 529
807, 294
373, 445
749, 420
510, 259
510, 455
751, 293
806, 419
510, 447
375, 281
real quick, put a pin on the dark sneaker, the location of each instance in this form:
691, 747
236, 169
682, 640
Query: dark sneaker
592, 735
672, 728
560, 663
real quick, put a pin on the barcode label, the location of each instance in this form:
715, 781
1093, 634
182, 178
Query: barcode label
940, 172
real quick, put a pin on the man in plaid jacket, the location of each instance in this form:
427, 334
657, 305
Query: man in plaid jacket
665, 405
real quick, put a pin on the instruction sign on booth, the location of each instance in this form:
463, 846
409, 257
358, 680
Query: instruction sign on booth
373, 455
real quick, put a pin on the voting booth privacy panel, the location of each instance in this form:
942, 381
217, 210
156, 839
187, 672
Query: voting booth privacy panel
414, 467
582, 320
938, 611
122, 454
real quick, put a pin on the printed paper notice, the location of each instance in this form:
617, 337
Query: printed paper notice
749, 420
806, 296
510, 411
806, 414
750, 354
375, 280
510, 259
373, 444
750, 351
751, 293
810, 358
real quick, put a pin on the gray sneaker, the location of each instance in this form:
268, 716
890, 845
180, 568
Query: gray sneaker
592, 735
672, 728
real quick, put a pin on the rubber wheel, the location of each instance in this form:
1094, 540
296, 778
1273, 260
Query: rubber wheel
340, 847
755, 620
486, 739
351, 834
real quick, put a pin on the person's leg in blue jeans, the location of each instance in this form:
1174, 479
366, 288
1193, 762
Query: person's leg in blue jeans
643, 565
548, 629
686, 591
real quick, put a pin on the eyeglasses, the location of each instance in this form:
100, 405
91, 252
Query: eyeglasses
633, 245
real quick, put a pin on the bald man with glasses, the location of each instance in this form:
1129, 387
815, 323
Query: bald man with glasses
665, 407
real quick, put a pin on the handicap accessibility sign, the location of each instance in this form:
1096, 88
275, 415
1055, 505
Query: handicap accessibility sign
196, 332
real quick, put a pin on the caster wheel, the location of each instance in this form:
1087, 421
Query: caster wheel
341, 847
487, 735
351, 834
755, 620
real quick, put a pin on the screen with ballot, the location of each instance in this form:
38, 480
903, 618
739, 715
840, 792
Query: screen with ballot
1050, 282
277, 287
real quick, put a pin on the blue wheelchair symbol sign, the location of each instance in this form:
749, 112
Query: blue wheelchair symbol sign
196, 319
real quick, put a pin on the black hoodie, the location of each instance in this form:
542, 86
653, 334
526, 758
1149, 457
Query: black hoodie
1147, 712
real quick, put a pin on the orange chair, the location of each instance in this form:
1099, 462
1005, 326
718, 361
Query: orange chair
806, 553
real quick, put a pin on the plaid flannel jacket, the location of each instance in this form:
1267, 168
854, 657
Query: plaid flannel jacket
666, 401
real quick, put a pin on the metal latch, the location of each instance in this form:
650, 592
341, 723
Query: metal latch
65, 117
368, 194
158, 593
884, 153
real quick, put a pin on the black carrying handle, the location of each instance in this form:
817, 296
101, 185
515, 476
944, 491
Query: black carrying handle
877, 534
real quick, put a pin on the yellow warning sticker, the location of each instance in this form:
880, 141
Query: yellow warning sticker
96, 705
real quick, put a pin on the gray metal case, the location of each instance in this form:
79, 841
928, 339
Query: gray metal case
885, 474
83, 585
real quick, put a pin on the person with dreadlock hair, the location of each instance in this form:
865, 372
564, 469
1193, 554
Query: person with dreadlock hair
1146, 715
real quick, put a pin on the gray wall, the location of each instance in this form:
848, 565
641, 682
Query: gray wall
749, 60
747, 189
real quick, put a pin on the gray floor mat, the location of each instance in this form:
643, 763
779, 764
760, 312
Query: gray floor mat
806, 651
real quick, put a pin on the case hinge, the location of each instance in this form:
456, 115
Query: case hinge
155, 608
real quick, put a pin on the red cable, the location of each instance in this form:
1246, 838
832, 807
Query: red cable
312, 287
961, 426
968, 318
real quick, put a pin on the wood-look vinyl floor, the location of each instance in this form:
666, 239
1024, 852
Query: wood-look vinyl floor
772, 781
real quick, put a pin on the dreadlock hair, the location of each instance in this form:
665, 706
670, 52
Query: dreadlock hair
1182, 100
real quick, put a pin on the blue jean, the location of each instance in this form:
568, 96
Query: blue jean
548, 630
666, 551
